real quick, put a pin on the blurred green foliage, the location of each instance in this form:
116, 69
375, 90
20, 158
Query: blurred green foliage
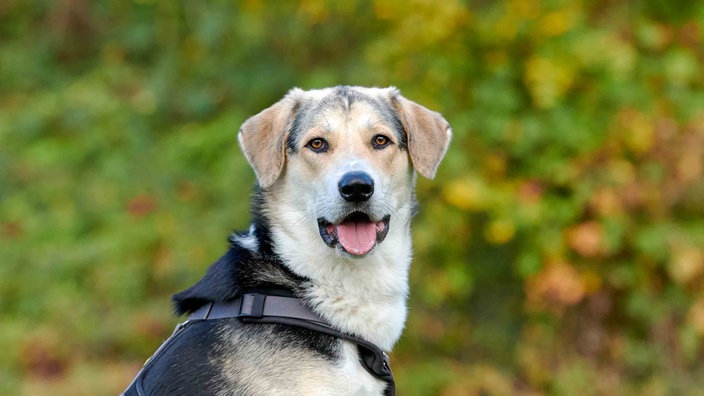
560, 250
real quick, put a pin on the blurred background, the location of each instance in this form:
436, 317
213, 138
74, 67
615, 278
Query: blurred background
560, 250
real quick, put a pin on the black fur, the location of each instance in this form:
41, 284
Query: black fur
180, 368
191, 362
241, 270
218, 284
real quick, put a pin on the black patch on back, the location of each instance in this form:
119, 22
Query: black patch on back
190, 363
218, 284
184, 366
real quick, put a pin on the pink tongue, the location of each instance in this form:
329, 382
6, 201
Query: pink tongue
357, 237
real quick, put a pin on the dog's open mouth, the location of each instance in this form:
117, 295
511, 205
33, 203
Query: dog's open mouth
356, 234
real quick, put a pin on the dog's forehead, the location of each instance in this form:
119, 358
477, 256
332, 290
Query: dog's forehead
344, 92
326, 108
369, 102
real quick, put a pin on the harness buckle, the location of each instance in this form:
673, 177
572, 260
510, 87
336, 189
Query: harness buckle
252, 305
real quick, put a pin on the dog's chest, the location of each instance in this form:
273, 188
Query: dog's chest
271, 363
354, 379
357, 307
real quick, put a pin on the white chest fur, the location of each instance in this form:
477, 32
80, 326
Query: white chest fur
354, 379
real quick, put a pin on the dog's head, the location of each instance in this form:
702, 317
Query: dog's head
339, 163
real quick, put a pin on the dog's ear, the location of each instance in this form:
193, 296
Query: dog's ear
263, 138
428, 134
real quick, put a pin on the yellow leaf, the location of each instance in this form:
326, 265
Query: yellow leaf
686, 264
555, 23
547, 80
695, 316
465, 194
499, 231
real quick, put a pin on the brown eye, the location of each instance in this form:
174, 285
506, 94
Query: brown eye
318, 145
380, 141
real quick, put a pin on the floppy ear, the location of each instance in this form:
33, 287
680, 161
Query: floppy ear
428, 135
263, 136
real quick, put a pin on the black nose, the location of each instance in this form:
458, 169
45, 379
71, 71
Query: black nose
356, 186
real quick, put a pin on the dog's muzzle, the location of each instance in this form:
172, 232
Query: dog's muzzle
356, 234
359, 232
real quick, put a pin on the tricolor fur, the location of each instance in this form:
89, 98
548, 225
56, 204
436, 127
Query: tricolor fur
331, 224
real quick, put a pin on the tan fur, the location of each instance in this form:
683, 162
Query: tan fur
264, 135
428, 135
349, 136
362, 295
301, 199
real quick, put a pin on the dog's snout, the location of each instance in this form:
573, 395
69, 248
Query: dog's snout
356, 186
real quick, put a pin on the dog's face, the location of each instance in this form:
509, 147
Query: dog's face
337, 166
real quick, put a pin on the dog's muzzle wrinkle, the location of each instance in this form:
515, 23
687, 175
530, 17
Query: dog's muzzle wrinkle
356, 186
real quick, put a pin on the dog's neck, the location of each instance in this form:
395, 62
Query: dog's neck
364, 296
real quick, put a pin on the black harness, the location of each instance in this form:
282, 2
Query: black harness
265, 308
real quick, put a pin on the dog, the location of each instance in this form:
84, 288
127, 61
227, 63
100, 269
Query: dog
329, 246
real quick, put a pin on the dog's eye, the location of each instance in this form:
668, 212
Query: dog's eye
380, 141
318, 145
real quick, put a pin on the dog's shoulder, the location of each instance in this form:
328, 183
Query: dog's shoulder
219, 283
184, 366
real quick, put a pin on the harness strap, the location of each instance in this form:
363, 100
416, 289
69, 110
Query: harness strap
263, 308
290, 311
256, 305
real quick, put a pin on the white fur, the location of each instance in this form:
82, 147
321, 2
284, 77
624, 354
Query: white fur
361, 295
346, 377
353, 379
247, 241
